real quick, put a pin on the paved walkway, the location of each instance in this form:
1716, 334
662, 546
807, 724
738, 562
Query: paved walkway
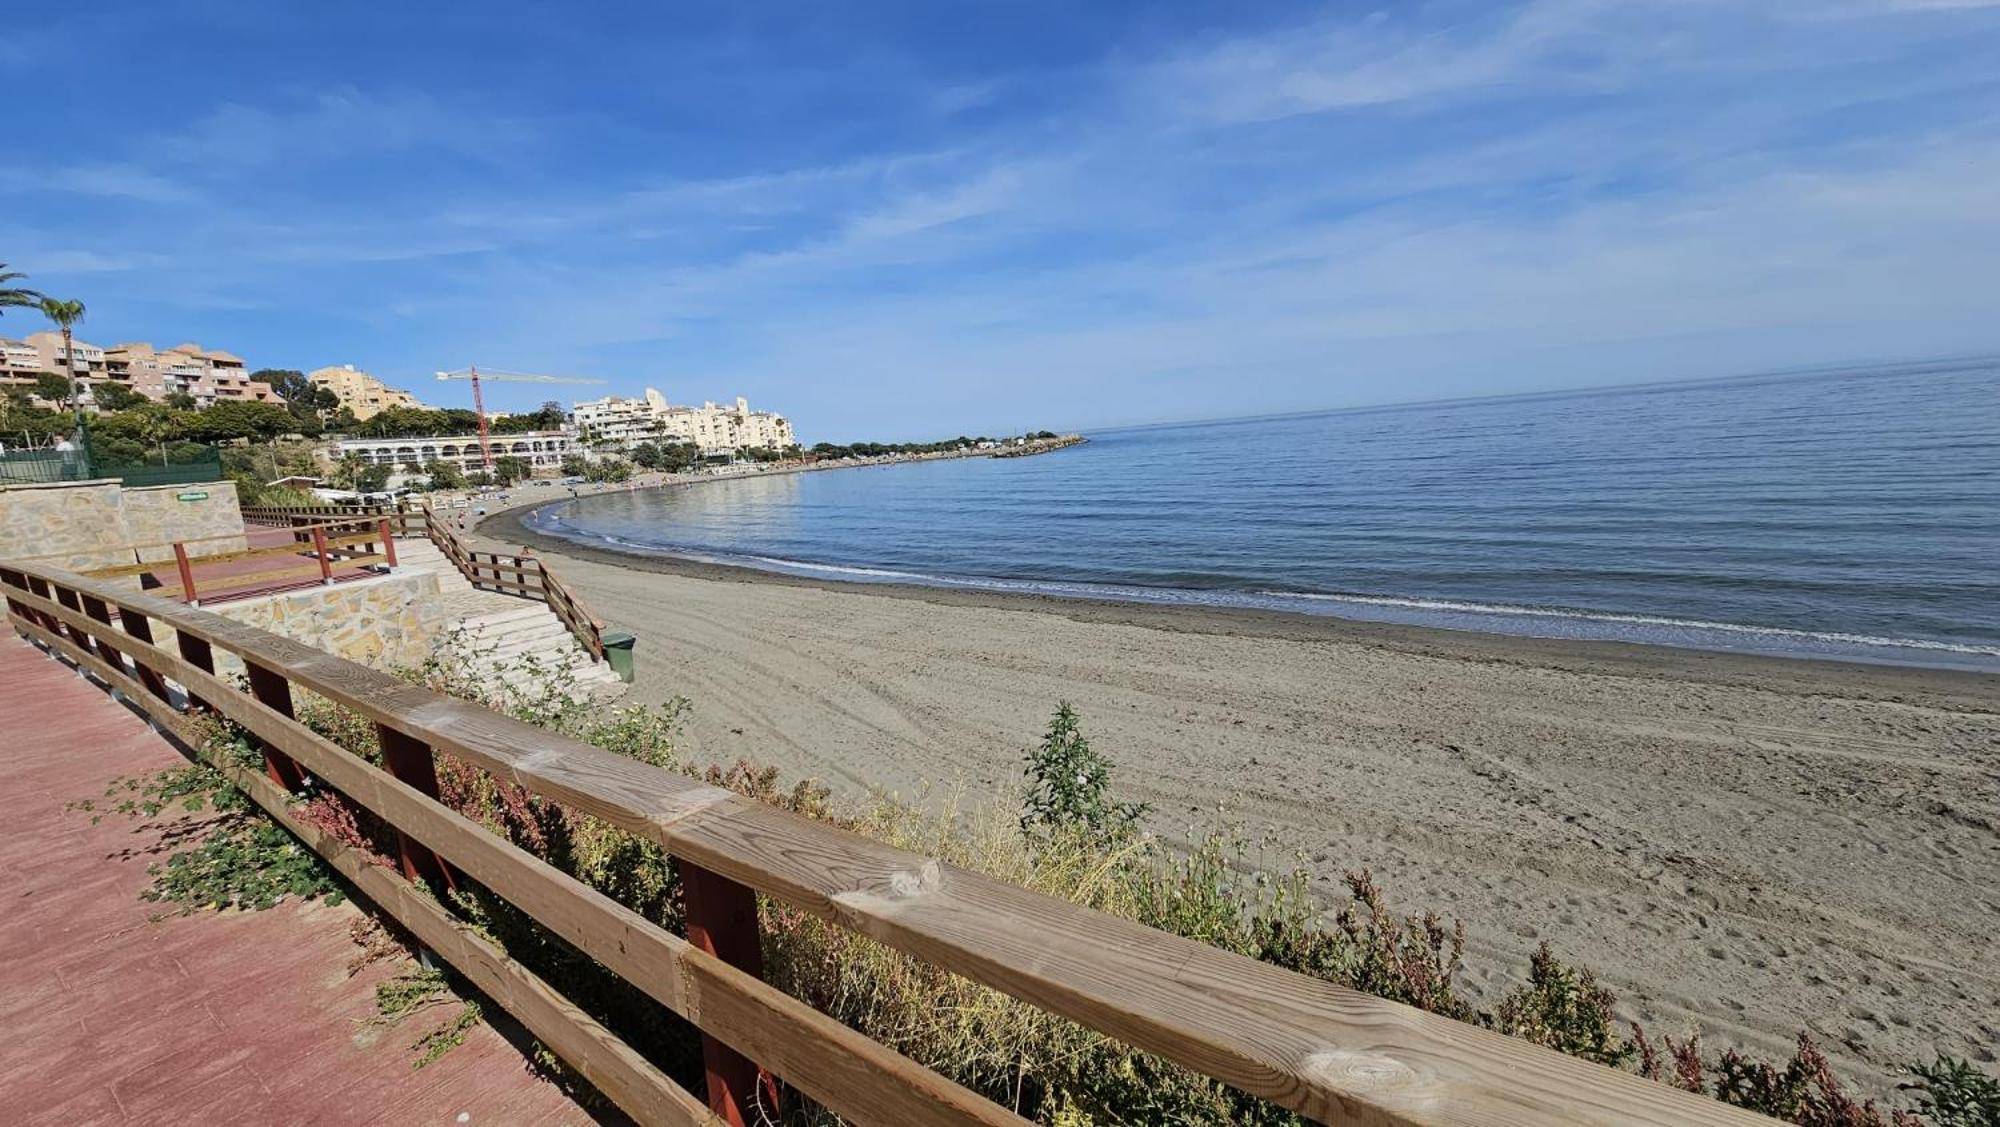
240, 1017
229, 580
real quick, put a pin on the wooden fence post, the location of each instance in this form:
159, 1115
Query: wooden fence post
411, 760
388, 543
40, 588
141, 627
95, 608
722, 920
271, 688
195, 652
67, 599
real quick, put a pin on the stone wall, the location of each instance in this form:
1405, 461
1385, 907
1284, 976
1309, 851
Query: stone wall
387, 622
73, 525
159, 515
85, 525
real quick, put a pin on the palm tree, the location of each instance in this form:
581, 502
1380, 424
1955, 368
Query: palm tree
66, 314
15, 295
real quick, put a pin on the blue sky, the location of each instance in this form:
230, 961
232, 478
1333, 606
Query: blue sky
915, 219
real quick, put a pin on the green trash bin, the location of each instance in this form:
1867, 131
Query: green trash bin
618, 651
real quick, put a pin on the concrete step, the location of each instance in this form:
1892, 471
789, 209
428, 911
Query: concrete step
525, 612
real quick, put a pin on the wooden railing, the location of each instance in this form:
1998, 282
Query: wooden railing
1322, 1050
316, 549
523, 575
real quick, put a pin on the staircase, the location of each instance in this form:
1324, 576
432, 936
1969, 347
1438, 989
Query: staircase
501, 635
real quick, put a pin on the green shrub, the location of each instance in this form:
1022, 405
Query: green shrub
1952, 1093
1566, 1010
1069, 785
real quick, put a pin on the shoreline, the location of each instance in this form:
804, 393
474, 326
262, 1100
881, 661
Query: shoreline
1757, 845
509, 525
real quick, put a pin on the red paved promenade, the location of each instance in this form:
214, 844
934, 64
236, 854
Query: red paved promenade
245, 1017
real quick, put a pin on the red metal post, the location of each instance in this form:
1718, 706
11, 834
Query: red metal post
187, 574
388, 543
141, 627
411, 760
722, 920
319, 549
270, 687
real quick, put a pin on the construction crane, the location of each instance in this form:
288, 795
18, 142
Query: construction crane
479, 401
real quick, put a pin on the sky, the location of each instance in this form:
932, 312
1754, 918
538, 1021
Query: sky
910, 220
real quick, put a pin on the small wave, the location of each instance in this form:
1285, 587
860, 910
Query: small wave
1639, 620
1499, 618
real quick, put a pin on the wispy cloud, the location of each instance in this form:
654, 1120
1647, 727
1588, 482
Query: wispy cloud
1429, 200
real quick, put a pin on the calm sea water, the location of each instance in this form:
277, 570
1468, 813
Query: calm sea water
1851, 515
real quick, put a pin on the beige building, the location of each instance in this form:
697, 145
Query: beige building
208, 375
20, 362
627, 421
50, 356
360, 392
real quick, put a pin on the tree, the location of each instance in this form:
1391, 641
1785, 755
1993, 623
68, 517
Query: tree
575, 465
234, 419
180, 401
347, 471
290, 383
54, 389
612, 470
12, 296
549, 416
444, 475
510, 469
65, 315
116, 397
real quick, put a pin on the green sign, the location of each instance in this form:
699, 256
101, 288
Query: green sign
191, 495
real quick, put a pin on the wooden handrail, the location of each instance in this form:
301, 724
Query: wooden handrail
586, 626
1325, 1051
829, 1060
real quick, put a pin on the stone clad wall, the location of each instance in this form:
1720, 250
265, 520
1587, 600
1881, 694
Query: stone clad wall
85, 525
158, 515
388, 622
73, 525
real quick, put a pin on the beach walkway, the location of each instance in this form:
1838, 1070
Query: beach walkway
237, 1017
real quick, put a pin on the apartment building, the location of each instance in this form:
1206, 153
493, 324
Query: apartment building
623, 420
207, 375
50, 356
718, 430
360, 392
20, 362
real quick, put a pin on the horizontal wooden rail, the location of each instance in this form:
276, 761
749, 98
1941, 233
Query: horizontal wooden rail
1325, 1051
333, 543
525, 576
844, 1070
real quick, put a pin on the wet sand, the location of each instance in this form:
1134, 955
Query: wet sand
1754, 845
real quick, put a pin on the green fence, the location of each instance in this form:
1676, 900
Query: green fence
25, 467
30, 467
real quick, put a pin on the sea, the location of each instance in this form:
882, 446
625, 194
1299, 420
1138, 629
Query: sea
1849, 514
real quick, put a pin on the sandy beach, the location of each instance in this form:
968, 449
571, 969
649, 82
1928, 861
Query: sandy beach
1755, 845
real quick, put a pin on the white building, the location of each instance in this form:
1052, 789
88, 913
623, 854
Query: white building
542, 449
622, 419
627, 421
